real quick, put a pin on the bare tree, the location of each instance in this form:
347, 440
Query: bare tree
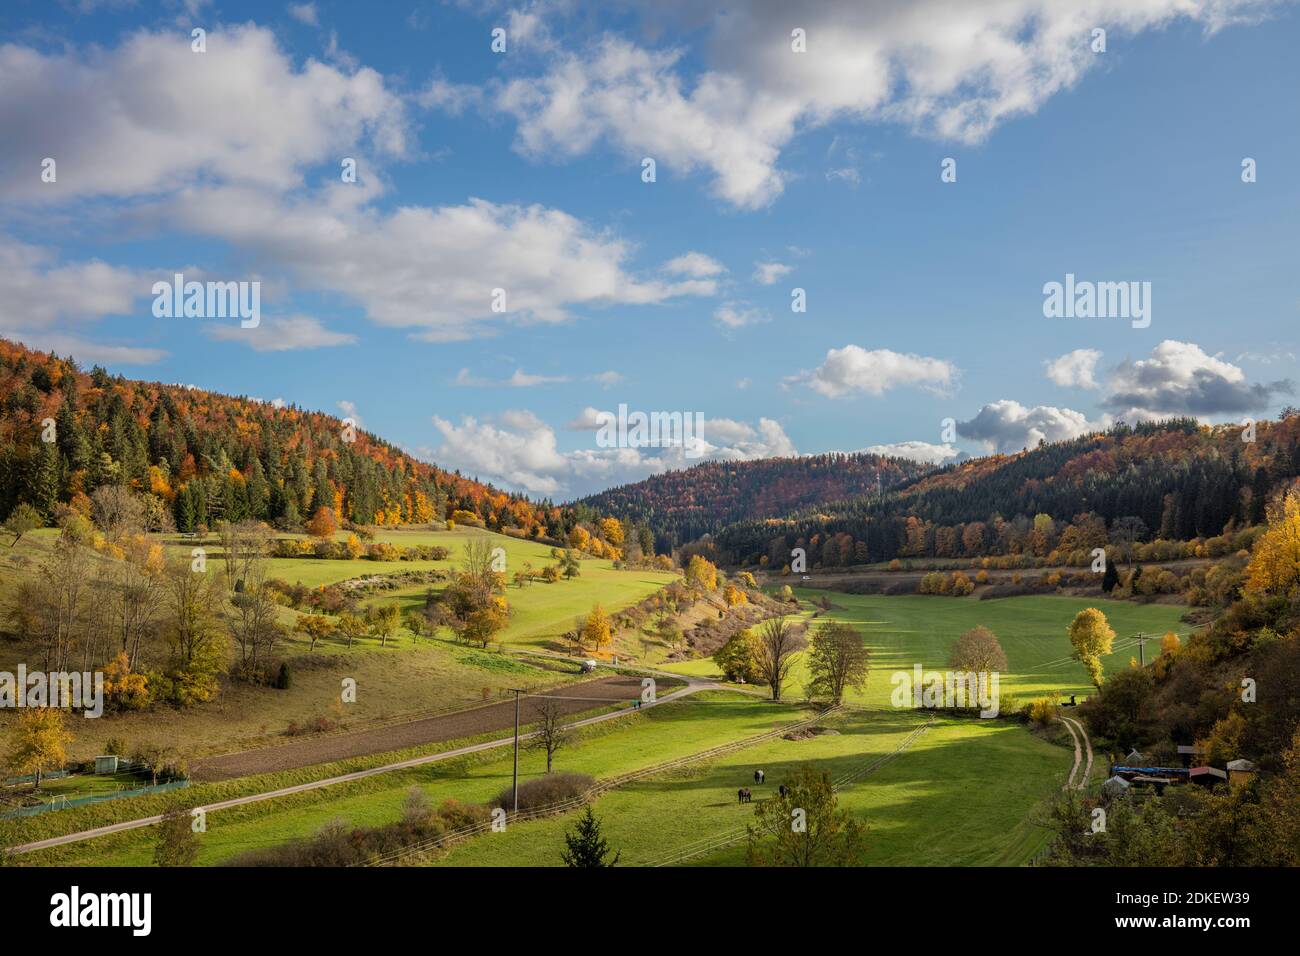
242, 544
53, 606
551, 732
778, 642
252, 615
138, 594
116, 511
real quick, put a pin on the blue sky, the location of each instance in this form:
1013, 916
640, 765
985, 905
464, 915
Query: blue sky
774, 170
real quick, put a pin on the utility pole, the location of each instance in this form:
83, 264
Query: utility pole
1142, 643
515, 785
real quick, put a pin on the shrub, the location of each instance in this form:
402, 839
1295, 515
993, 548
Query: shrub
545, 791
1042, 710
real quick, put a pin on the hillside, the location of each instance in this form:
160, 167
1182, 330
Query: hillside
1171, 481
204, 456
683, 505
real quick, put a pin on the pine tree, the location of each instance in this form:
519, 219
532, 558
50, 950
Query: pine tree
585, 847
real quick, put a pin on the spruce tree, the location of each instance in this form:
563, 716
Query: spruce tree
585, 847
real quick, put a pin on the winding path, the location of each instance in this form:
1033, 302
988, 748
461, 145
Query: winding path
1080, 737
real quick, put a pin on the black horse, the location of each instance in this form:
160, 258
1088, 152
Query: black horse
744, 795
758, 776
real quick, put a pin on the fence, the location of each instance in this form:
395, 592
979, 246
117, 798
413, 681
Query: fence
63, 803
613, 782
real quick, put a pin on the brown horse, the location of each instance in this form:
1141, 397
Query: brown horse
744, 795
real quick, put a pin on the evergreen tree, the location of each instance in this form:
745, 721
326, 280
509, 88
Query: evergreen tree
585, 847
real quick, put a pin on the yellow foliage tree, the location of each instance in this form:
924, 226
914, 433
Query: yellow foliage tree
612, 529
596, 629
1274, 566
702, 573
40, 742
1091, 636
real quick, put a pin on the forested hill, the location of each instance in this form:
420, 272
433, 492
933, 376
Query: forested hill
205, 456
683, 505
1174, 480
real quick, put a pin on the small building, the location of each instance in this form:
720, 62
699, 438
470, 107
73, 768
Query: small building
106, 764
1115, 787
1240, 772
1207, 776
1136, 759
1191, 754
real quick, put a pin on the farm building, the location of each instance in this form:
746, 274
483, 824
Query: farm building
1240, 772
1191, 753
1207, 776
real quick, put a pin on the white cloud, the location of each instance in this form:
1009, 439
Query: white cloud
349, 410
1075, 369
522, 379
521, 451
241, 113
767, 273
950, 70
305, 13
1178, 378
283, 334
84, 351
921, 451
607, 379
695, 264
736, 315
855, 369
429, 270
1007, 426
37, 293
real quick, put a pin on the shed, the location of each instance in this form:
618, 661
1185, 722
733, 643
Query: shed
1240, 772
1115, 787
1207, 776
1135, 759
106, 764
1190, 753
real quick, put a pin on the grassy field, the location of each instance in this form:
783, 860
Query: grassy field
644, 739
961, 795
912, 629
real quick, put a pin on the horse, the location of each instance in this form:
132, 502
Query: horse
744, 795
758, 776
782, 790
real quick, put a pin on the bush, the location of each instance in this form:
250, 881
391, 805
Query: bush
283, 677
1042, 710
545, 791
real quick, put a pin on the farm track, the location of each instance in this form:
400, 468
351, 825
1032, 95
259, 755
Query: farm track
1080, 738
601, 787
691, 688
718, 841
455, 725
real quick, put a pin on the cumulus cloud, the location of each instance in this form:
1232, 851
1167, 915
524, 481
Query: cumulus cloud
950, 70
349, 410
921, 451
521, 451
606, 379
695, 264
115, 130
1007, 426
283, 334
431, 270
35, 292
1075, 369
1178, 378
84, 351
854, 369
767, 273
